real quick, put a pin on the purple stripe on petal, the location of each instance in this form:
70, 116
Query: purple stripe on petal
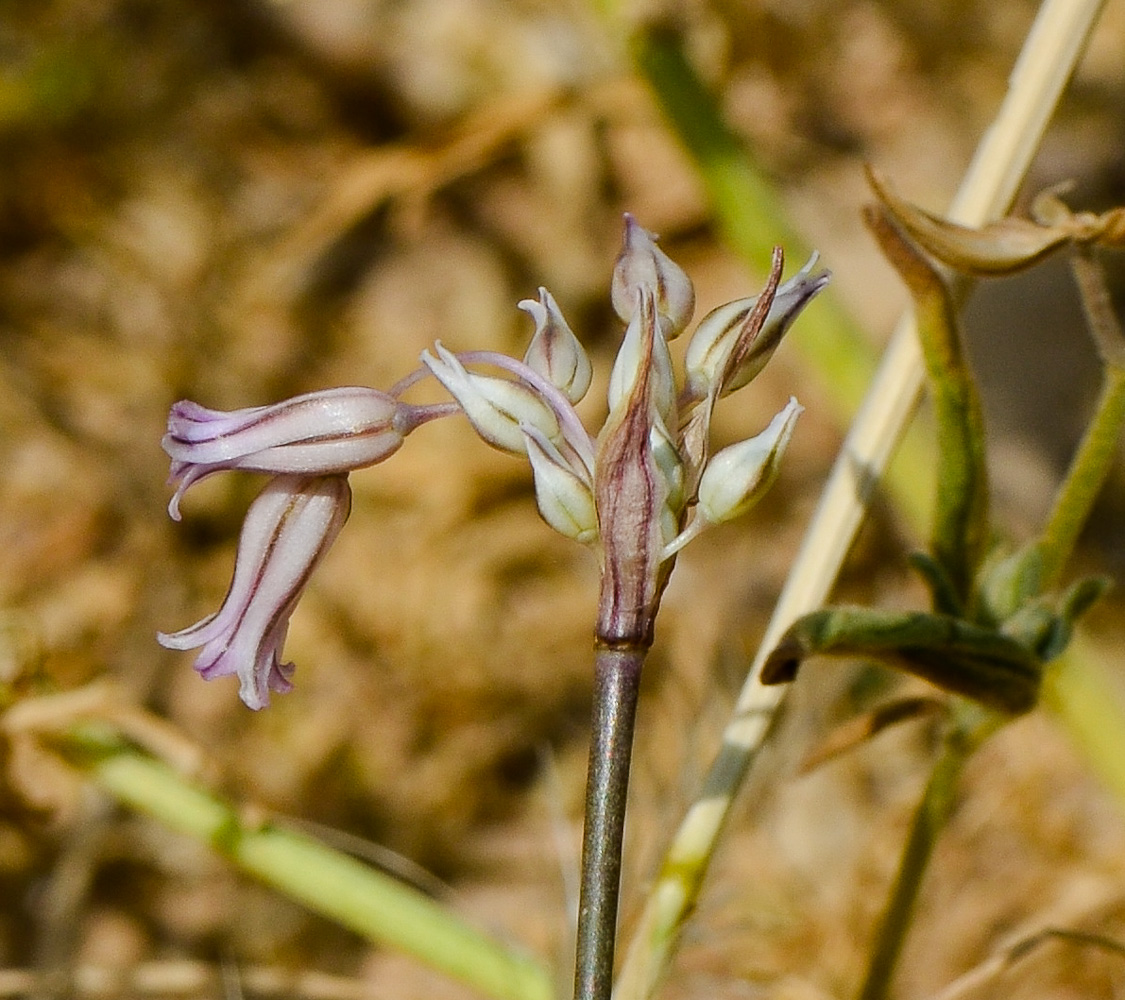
287, 531
320, 433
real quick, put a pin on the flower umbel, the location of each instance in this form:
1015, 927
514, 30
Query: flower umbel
636, 492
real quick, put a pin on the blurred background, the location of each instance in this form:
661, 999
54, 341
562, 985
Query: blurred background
234, 202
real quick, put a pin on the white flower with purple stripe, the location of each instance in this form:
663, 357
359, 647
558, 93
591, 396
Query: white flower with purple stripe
287, 531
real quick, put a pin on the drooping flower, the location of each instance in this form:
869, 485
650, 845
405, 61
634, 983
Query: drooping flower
318, 433
287, 531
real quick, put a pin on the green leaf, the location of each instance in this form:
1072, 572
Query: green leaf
966, 659
1006, 584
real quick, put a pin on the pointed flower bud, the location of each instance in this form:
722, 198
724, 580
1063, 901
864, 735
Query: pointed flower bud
642, 342
496, 407
554, 351
643, 265
287, 531
319, 433
738, 476
729, 348
563, 492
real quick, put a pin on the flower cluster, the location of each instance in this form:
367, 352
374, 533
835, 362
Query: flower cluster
636, 492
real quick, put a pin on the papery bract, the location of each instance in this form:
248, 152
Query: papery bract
631, 496
287, 531
720, 331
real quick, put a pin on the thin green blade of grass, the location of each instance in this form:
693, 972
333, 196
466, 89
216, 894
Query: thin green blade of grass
367, 901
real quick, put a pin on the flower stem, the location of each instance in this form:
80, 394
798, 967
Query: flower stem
972, 724
1096, 452
617, 681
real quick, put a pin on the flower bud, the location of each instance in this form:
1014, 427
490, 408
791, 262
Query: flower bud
641, 264
739, 475
554, 351
640, 342
496, 407
318, 433
726, 351
563, 495
671, 466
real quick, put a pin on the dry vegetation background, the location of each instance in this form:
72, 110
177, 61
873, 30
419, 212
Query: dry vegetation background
238, 201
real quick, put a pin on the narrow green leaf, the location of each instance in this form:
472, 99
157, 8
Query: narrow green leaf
960, 657
355, 895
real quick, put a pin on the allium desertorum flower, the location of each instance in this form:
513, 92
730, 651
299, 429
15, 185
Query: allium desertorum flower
636, 492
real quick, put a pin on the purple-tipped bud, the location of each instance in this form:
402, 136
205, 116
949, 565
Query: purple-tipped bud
738, 476
643, 265
287, 531
319, 433
496, 407
726, 352
554, 351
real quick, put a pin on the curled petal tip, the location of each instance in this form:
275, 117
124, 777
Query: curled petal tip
319, 433
287, 531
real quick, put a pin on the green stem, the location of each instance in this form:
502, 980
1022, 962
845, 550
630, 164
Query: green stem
1085, 478
960, 531
971, 726
1096, 452
365, 900
617, 682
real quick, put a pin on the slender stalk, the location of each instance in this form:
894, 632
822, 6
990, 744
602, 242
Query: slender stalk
358, 897
1096, 452
1084, 480
971, 725
617, 682
1049, 55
